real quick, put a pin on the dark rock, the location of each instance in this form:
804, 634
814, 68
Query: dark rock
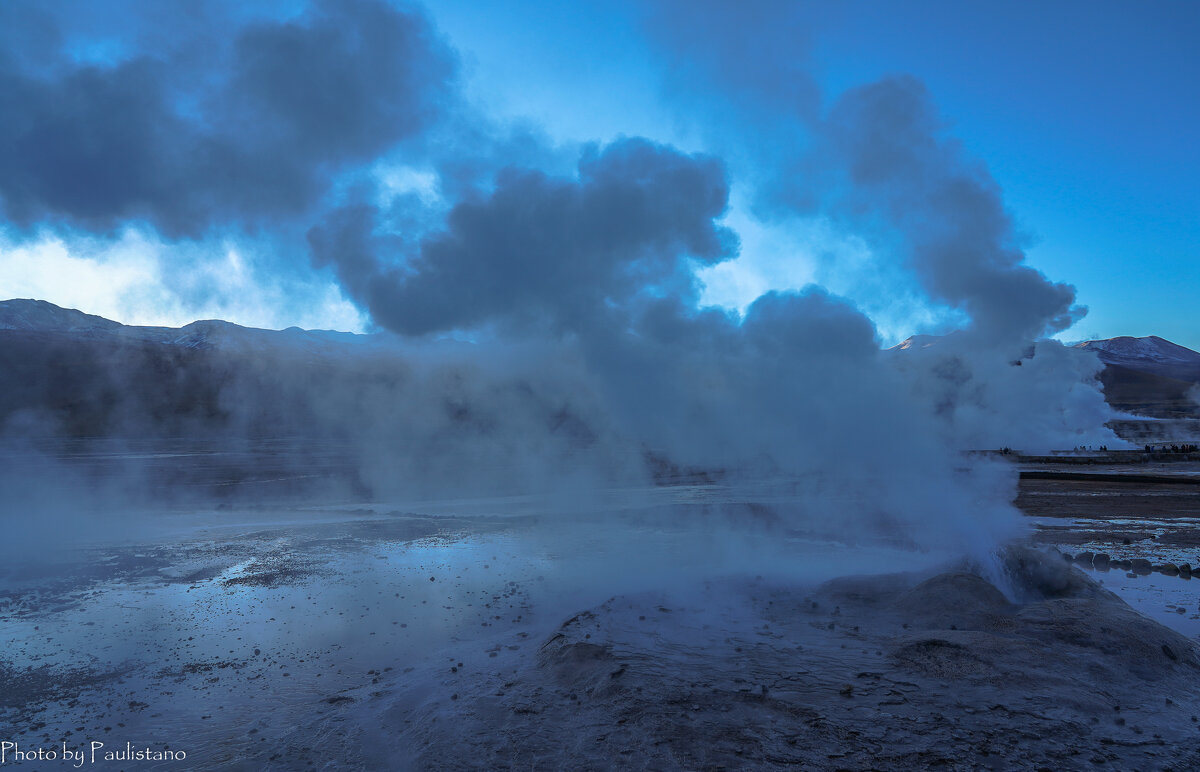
1141, 566
1085, 557
1101, 560
1169, 569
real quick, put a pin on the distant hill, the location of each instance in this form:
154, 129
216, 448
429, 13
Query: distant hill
40, 316
917, 342
70, 373
1148, 376
84, 376
1152, 355
1142, 393
66, 374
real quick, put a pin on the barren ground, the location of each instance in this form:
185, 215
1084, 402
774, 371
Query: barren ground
360, 637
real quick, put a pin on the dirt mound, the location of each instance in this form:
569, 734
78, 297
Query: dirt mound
863, 672
954, 601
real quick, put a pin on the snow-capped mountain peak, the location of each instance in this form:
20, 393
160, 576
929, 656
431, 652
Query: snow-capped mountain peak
1150, 354
917, 341
1151, 348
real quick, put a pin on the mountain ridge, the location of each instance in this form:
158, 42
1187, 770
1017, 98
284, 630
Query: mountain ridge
82, 375
44, 317
1149, 354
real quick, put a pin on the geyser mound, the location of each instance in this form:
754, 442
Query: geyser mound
868, 671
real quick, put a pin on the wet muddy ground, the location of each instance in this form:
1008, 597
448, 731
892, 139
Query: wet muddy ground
446, 636
1135, 528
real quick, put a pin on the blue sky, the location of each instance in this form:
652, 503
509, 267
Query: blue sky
1085, 115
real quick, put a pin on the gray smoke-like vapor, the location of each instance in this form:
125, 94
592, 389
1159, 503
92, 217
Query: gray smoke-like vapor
799, 387
878, 160
878, 163
544, 250
947, 209
216, 129
574, 283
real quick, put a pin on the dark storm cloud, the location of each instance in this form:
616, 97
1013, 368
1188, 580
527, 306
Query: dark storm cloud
541, 248
246, 132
